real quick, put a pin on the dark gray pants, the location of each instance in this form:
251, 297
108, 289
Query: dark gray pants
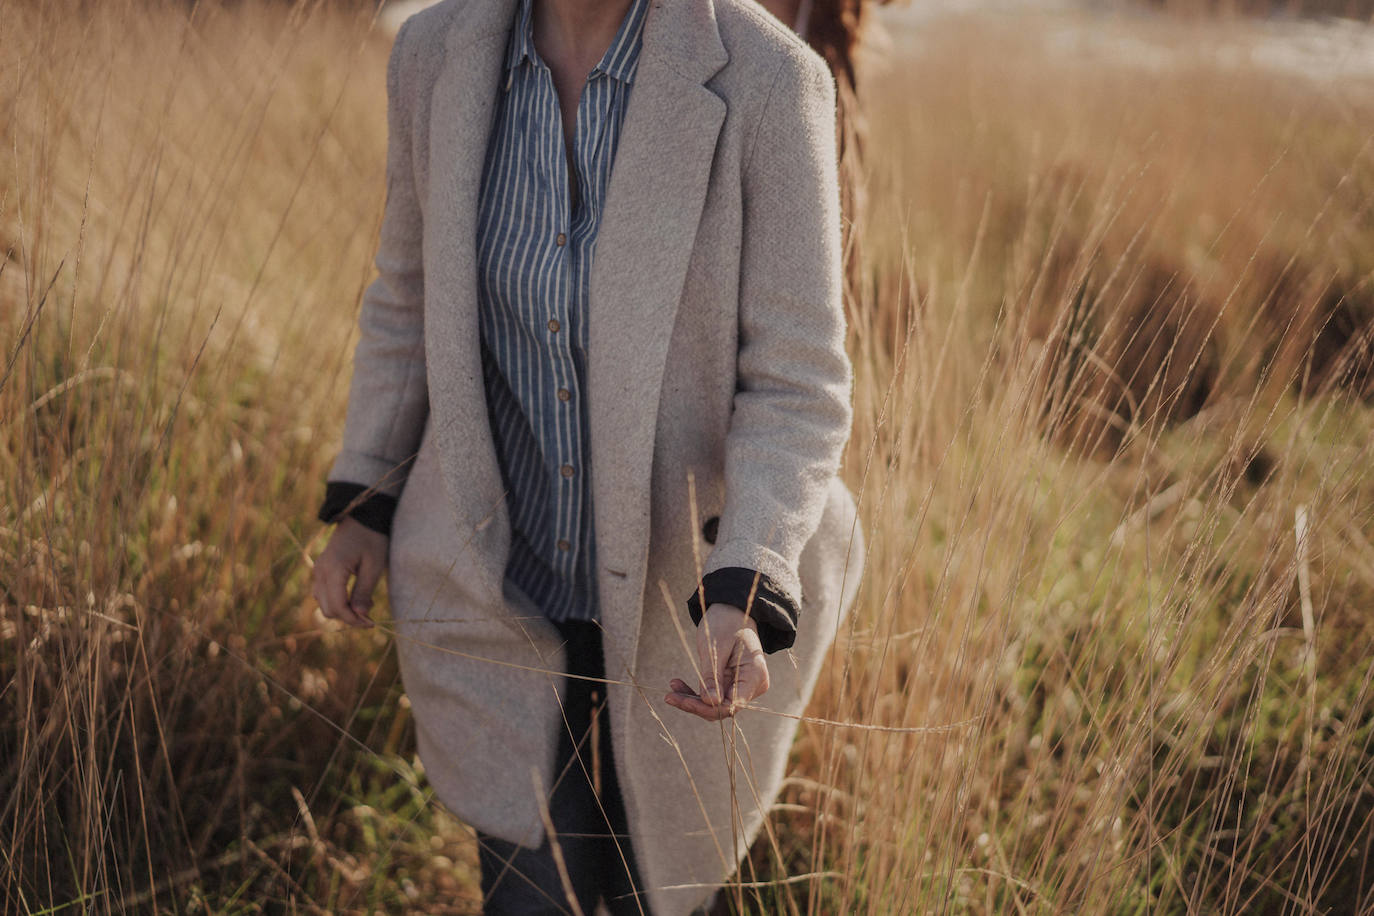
585, 806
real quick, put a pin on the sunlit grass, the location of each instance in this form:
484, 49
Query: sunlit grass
1112, 447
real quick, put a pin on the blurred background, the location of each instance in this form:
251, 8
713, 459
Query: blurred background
1111, 307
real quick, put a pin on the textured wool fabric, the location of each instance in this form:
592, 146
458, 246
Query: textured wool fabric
718, 386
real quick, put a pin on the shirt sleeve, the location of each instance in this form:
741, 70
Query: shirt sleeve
753, 592
371, 508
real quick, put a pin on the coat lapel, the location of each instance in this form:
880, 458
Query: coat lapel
648, 229
653, 205
462, 107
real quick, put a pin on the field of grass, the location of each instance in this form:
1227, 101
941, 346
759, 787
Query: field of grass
1113, 446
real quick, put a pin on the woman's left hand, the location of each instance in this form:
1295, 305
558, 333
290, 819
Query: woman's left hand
734, 669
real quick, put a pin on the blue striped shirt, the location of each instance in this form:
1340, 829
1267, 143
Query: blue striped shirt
537, 227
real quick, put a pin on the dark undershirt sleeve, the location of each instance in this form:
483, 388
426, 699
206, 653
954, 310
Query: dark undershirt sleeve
771, 610
372, 511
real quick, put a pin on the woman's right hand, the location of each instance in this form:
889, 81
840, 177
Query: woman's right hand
356, 551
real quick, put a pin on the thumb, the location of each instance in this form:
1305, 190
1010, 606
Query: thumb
750, 669
369, 574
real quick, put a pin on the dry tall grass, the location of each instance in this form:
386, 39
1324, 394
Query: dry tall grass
1113, 447
1359, 10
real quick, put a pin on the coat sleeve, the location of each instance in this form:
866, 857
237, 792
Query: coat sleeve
388, 397
792, 408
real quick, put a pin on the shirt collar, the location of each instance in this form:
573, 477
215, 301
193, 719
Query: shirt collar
521, 43
620, 60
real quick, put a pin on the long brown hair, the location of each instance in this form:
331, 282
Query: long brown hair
835, 29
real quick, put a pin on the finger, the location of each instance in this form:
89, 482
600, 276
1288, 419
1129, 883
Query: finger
315, 593
694, 705
748, 668
740, 669
729, 670
685, 698
710, 687
333, 578
750, 680
318, 589
710, 670
369, 574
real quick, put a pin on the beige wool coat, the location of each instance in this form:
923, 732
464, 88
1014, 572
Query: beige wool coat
717, 382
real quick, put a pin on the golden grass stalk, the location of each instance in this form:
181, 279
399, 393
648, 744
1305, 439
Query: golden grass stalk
1112, 446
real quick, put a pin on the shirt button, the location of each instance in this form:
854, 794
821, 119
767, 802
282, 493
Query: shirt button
567, 470
561, 240
564, 546
554, 325
564, 394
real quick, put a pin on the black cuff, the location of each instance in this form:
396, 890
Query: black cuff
373, 512
773, 612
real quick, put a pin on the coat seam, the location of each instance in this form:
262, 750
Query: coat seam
758, 127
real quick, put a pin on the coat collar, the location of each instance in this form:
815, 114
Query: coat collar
653, 204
